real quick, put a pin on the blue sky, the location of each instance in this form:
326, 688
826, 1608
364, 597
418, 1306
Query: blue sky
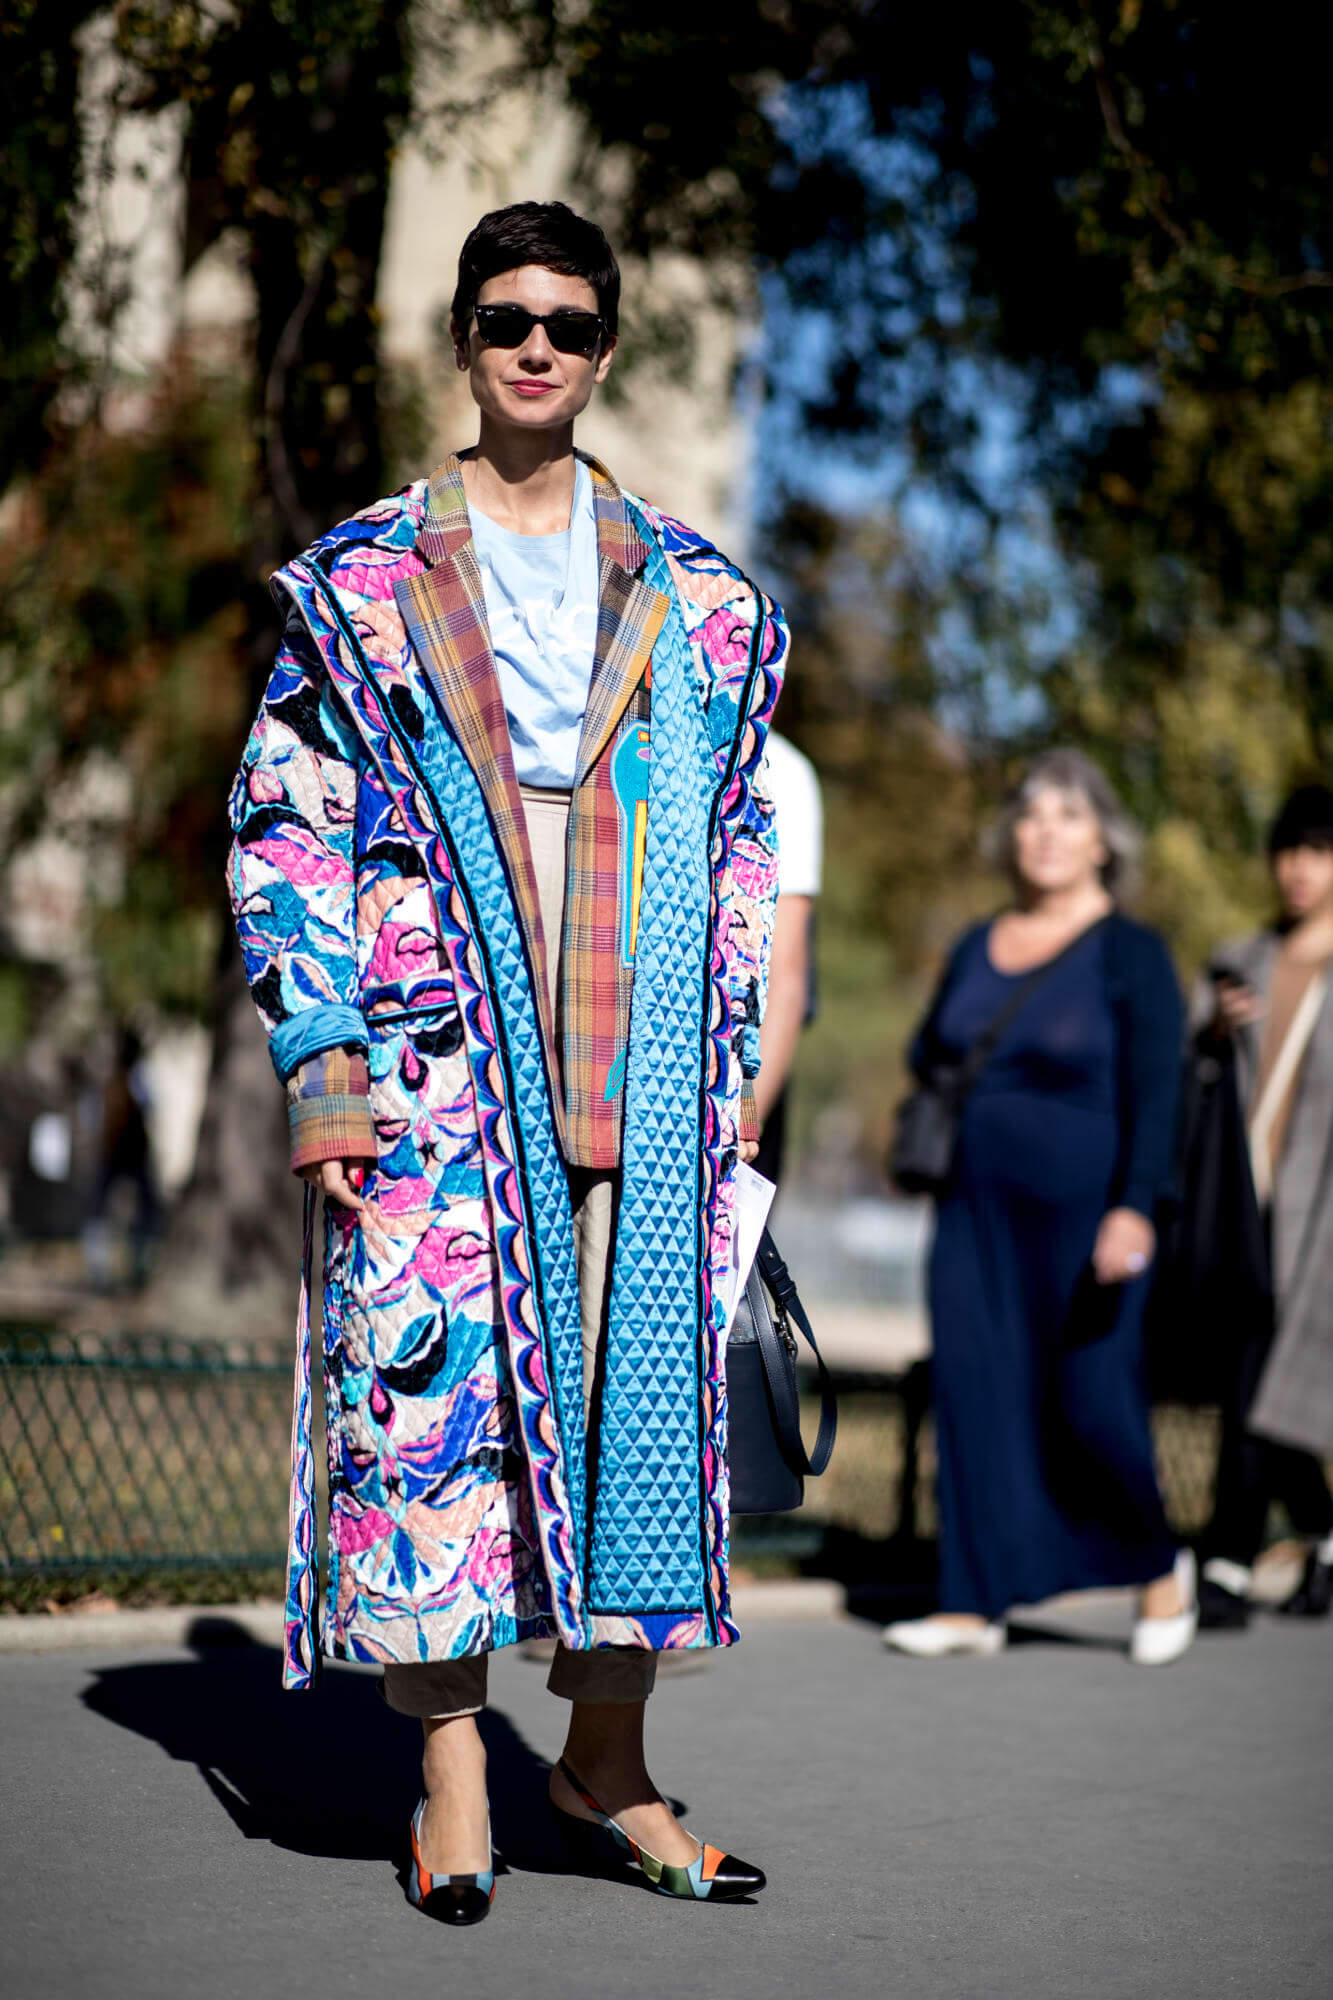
823, 305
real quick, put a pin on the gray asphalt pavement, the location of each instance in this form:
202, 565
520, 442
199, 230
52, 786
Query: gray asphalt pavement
1051, 1823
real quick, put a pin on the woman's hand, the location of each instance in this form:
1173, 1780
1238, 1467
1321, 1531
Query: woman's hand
339, 1180
1124, 1248
1238, 1006
747, 1150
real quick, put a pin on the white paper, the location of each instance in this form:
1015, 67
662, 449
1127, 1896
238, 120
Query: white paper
754, 1198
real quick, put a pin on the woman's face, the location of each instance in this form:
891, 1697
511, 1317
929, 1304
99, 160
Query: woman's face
533, 387
1058, 841
1304, 880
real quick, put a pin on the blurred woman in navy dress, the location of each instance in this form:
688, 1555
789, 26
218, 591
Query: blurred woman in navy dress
1045, 1235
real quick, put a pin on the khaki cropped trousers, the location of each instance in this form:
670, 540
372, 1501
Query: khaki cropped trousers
438, 1689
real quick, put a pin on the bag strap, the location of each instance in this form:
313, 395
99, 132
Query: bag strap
984, 1047
782, 1387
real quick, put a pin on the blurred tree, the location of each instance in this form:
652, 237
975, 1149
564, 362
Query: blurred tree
41, 162
143, 625
1044, 208
1111, 223
293, 111
118, 650
902, 795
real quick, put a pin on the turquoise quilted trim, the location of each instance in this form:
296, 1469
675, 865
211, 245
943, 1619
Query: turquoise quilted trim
647, 1540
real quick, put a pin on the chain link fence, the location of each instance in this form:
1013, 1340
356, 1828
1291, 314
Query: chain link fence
881, 1481
143, 1454
139, 1453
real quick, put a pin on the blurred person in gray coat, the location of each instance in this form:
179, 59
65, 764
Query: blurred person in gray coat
1271, 994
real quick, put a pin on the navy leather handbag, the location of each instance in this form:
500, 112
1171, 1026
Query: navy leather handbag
766, 1455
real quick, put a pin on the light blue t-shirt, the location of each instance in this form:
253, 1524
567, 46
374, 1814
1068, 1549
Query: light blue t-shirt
541, 606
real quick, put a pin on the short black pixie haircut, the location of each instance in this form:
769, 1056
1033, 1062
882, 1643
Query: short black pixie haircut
537, 232
1306, 820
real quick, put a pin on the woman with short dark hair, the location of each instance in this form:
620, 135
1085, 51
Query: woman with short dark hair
1045, 1234
508, 777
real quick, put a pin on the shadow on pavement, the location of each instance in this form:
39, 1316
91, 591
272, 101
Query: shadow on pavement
896, 1577
1023, 1632
332, 1773
884, 1578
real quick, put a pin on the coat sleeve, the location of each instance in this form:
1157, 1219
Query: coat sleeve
1153, 1042
291, 881
754, 862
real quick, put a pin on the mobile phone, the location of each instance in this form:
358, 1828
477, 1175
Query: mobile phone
1220, 973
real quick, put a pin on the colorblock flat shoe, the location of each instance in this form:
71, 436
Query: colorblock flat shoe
603, 1844
450, 1899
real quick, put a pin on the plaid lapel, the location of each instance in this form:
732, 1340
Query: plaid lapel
444, 609
629, 618
606, 839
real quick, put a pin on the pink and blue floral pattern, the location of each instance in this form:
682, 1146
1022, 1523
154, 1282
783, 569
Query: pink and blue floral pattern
457, 1480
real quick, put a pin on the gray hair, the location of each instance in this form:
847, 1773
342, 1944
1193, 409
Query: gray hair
1071, 771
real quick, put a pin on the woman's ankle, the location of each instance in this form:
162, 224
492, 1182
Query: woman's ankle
604, 1746
1162, 1597
607, 1775
452, 1752
455, 1822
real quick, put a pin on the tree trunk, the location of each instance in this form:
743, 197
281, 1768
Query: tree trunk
229, 1265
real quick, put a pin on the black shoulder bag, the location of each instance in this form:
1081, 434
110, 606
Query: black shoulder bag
925, 1138
1212, 1290
766, 1456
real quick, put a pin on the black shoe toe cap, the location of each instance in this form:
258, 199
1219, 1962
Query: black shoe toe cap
734, 1877
459, 1903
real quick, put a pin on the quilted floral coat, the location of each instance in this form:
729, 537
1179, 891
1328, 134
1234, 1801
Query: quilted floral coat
383, 895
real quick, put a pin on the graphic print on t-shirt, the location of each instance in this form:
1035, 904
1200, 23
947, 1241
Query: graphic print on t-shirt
629, 782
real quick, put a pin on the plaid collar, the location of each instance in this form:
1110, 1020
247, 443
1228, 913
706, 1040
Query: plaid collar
446, 529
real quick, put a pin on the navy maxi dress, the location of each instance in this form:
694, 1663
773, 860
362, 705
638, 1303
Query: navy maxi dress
1046, 1475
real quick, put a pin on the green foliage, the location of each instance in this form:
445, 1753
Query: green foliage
1027, 195
15, 1010
293, 109
1035, 194
680, 147
122, 588
134, 1590
40, 163
135, 624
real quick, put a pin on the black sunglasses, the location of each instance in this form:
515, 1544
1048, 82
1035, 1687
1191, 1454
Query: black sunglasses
569, 332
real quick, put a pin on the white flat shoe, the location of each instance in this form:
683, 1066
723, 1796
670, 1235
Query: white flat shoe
1156, 1642
936, 1638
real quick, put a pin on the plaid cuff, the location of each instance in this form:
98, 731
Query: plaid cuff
748, 1132
328, 1109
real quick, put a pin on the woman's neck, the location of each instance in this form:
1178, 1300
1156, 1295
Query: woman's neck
1057, 909
1311, 937
523, 480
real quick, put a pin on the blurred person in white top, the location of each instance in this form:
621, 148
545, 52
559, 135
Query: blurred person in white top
791, 981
